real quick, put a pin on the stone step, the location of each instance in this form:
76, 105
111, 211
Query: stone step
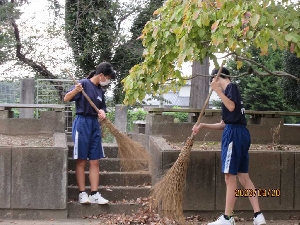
110, 149
106, 164
114, 193
116, 178
76, 210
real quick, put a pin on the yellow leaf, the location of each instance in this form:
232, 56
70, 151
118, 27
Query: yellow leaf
264, 49
254, 20
214, 26
196, 14
140, 37
156, 12
219, 3
239, 64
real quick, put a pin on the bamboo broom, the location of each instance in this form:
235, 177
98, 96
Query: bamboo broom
132, 155
167, 194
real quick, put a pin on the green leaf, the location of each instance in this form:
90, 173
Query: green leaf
206, 19
254, 20
226, 31
295, 24
201, 32
288, 37
250, 34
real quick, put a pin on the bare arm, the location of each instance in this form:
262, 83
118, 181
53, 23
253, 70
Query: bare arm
217, 87
213, 126
230, 105
78, 88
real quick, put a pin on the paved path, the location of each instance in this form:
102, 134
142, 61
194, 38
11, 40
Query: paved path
98, 222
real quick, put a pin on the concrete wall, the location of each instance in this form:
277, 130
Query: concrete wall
260, 133
49, 122
205, 185
33, 180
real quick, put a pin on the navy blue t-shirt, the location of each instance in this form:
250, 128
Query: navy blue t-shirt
96, 94
237, 116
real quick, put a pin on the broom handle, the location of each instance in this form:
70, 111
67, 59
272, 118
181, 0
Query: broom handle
84, 94
207, 100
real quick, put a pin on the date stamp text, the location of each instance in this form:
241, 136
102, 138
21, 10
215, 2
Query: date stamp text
259, 192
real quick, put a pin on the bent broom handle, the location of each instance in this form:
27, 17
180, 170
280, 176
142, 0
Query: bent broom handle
206, 101
84, 94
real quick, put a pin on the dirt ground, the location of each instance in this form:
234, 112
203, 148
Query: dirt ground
27, 140
43, 140
202, 146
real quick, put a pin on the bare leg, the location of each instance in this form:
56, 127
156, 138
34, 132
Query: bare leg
230, 193
247, 184
80, 176
94, 174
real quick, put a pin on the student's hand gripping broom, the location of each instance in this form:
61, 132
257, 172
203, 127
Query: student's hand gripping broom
132, 155
167, 194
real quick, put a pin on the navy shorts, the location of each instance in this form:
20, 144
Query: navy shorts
86, 134
236, 142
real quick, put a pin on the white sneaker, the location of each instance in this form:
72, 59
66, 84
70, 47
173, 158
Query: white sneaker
259, 220
84, 198
97, 198
222, 221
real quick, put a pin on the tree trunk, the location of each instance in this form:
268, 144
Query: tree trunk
199, 85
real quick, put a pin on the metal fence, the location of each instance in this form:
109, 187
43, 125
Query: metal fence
48, 92
9, 92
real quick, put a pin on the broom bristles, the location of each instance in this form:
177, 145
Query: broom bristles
132, 155
167, 195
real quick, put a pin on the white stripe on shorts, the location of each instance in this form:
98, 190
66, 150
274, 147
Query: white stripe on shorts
228, 158
75, 150
103, 151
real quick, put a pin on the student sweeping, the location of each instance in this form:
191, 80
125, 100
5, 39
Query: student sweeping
86, 131
235, 146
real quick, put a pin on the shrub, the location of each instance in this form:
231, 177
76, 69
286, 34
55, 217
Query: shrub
134, 115
179, 117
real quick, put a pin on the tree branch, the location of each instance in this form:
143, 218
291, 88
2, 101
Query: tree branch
267, 71
37, 67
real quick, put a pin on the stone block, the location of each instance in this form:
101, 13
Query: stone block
200, 182
156, 147
272, 121
60, 140
200, 179
27, 97
53, 121
297, 181
4, 114
289, 135
39, 178
155, 123
33, 214
260, 134
287, 176
5, 177
121, 117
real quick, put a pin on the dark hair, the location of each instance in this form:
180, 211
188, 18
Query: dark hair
105, 68
224, 71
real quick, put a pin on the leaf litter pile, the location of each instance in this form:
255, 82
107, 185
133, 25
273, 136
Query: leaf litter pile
143, 216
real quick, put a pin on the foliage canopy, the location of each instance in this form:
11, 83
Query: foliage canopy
188, 30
